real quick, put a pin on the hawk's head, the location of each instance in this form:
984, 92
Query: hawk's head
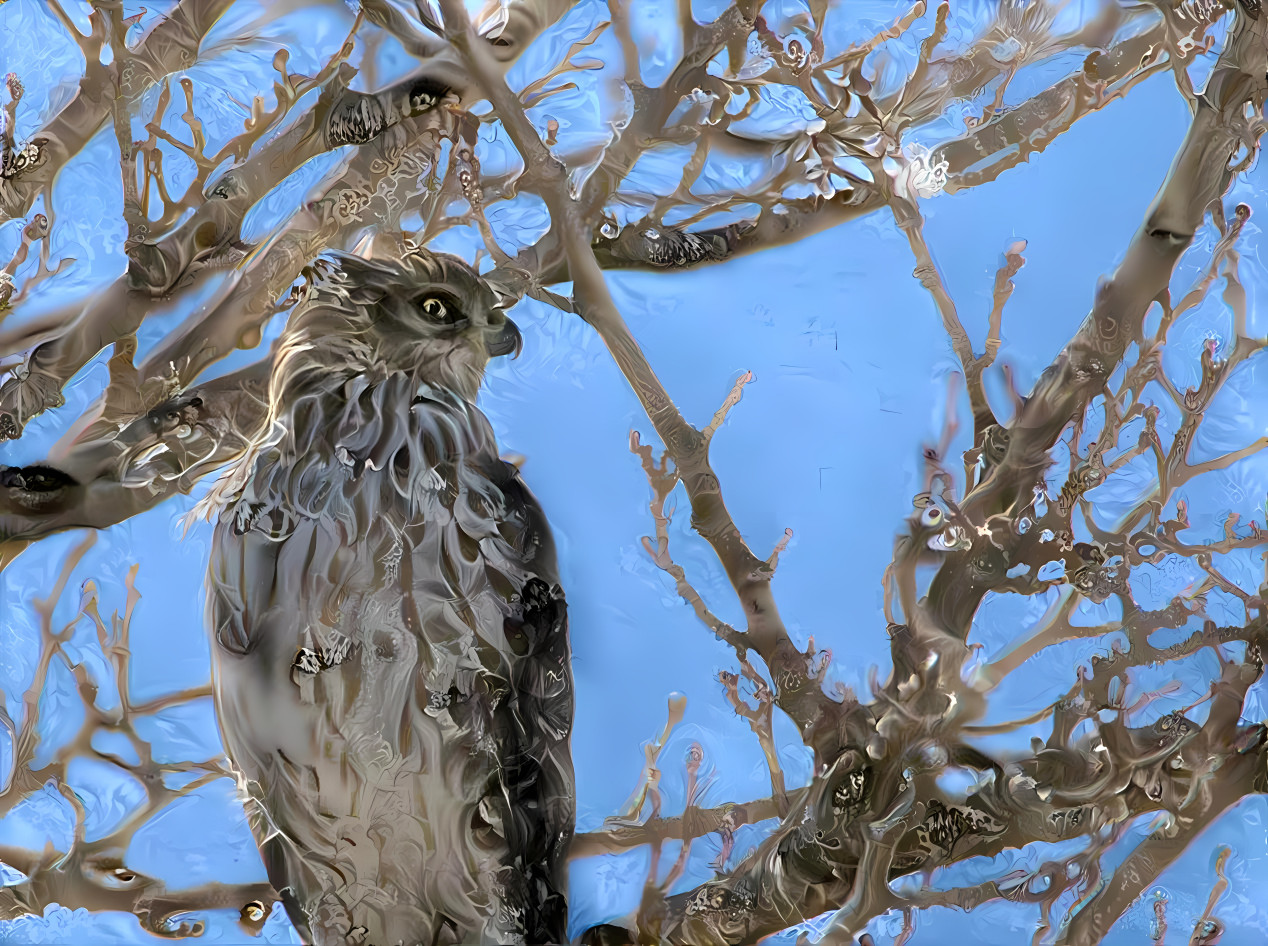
371, 339
428, 315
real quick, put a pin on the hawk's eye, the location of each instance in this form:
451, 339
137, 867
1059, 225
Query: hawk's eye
434, 309
440, 308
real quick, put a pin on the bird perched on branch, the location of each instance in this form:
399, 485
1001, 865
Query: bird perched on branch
391, 658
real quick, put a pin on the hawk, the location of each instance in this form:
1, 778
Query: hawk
390, 647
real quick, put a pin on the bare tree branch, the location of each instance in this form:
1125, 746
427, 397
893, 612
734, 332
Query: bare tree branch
170, 47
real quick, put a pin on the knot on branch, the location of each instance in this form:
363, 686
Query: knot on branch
15, 162
360, 117
35, 489
664, 247
852, 795
176, 416
228, 186
29, 391
728, 908
948, 830
988, 563
995, 444
1089, 370
701, 484
1169, 238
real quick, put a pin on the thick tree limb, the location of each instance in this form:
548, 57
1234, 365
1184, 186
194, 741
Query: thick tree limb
1202, 172
686, 446
162, 453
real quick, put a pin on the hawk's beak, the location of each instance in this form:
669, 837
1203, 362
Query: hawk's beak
504, 339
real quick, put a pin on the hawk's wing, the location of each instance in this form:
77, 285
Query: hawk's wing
393, 679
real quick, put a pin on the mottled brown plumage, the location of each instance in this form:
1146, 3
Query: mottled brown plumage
391, 653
